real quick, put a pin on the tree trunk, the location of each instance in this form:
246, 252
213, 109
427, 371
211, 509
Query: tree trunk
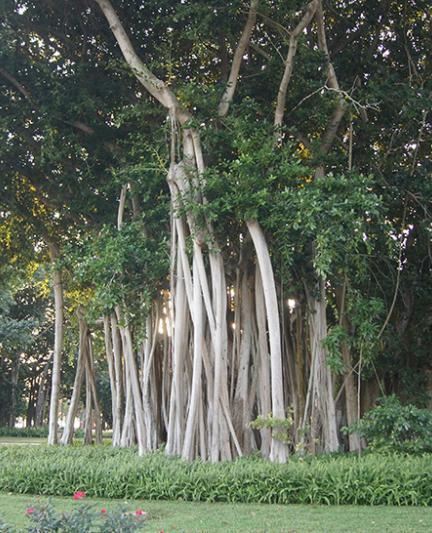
279, 450
92, 382
41, 396
195, 395
148, 355
14, 387
323, 416
112, 375
88, 421
118, 371
349, 378
132, 375
241, 416
264, 389
180, 338
68, 431
58, 349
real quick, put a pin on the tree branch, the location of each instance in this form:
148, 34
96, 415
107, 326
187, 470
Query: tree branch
289, 63
151, 83
228, 94
18, 86
333, 125
77, 124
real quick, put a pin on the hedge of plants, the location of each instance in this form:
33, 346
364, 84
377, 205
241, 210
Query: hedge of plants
105, 472
23, 432
40, 432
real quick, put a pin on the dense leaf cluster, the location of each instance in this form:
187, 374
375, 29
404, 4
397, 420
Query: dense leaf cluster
396, 428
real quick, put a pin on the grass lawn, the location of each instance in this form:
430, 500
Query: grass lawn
185, 516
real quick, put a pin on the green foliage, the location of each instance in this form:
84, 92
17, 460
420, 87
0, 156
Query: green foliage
336, 336
336, 213
280, 426
26, 329
45, 519
367, 316
31, 432
23, 432
120, 473
393, 427
116, 263
251, 171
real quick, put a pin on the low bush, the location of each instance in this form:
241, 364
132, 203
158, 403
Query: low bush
83, 519
30, 432
119, 473
391, 426
23, 432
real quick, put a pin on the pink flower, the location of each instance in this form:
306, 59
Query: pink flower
139, 512
103, 510
30, 510
79, 495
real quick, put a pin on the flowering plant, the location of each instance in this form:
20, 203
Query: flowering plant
83, 518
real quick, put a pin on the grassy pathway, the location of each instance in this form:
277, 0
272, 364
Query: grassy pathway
190, 517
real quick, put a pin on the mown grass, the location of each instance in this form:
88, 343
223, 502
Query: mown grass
119, 473
185, 516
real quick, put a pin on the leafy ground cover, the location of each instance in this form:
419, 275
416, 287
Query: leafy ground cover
177, 516
105, 472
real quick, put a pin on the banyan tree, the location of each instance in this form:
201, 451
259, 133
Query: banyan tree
216, 189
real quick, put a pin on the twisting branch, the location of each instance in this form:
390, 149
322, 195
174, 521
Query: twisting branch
322, 43
357, 105
228, 94
333, 125
156, 87
289, 63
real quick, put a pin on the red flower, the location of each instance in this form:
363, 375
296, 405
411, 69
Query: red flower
103, 510
79, 495
30, 510
139, 512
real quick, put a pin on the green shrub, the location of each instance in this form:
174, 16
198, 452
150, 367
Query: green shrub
41, 432
395, 427
23, 432
105, 472
83, 519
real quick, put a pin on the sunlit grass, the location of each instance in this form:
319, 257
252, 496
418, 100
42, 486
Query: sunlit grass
186, 516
